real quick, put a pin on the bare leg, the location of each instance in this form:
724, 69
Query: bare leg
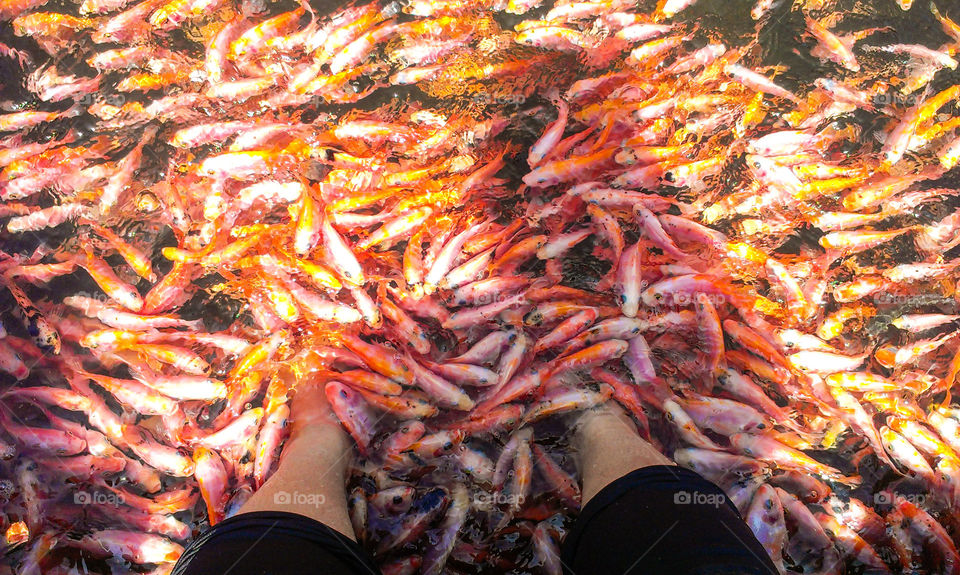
658, 523
609, 447
312, 472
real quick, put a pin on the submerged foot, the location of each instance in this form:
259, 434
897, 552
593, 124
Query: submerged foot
608, 446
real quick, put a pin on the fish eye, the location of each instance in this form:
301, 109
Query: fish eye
397, 499
756, 165
670, 177
658, 296
448, 446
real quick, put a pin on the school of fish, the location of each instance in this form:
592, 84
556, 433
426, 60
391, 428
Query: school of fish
469, 220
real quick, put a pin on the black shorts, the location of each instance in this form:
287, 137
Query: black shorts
274, 542
660, 519
663, 520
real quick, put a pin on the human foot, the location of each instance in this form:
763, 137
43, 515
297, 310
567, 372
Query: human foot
310, 407
312, 418
591, 421
608, 447
313, 466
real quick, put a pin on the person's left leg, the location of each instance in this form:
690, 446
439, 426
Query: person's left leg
297, 522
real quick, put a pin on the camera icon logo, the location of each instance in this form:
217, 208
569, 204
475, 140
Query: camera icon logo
484, 298
681, 498
82, 498
281, 498
882, 498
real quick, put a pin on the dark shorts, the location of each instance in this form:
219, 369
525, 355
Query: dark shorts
663, 520
274, 542
655, 520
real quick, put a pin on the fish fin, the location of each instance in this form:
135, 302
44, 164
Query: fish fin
848, 480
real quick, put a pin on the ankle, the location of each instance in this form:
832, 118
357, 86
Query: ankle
594, 422
600, 428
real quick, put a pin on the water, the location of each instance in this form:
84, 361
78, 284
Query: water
508, 550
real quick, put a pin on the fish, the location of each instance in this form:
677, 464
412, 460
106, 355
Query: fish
811, 540
551, 136
839, 52
759, 446
44, 334
212, 477
758, 82
140, 548
424, 509
601, 202
765, 519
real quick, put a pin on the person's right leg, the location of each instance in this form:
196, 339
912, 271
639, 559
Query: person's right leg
643, 514
311, 477
608, 447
